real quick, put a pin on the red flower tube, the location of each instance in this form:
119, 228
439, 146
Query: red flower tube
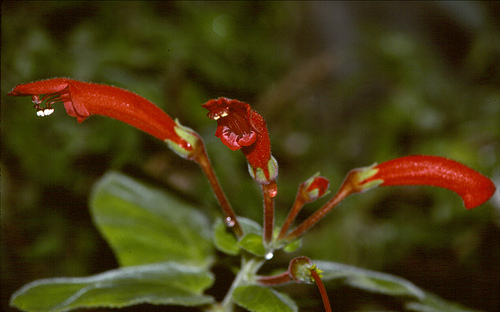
474, 188
82, 99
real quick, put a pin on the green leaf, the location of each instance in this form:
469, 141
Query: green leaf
293, 246
224, 239
253, 243
250, 226
144, 225
161, 283
367, 280
432, 303
415, 299
263, 299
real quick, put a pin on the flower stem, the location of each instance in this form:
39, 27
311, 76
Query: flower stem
247, 272
347, 188
275, 279
268, 192
322, 290
201, 157
297, 206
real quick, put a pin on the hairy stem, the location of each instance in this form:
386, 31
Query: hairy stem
346, 189
275, 279
297, 206
268, 192
249, 268
322, 290
201, 157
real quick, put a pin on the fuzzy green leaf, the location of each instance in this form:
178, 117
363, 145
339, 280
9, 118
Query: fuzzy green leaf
250, 226
144, 225
224, 239
367, 280
162, 283
433, 303
414, 298
253, 243
263, 299
293, 246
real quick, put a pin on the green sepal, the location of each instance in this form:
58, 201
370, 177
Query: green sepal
188, 135
259, 175
300, 270
366, 173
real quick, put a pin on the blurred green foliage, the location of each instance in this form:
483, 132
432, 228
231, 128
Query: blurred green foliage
341, 85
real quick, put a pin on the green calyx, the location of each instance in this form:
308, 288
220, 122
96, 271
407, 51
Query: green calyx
186, 134
300, 270
259, 175
363, 176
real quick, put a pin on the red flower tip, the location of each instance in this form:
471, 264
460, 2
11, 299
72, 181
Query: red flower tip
82, 99
314, 188
239, 127
474, 188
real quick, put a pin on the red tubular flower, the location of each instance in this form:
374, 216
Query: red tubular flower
474, 188
82, 99
239, 127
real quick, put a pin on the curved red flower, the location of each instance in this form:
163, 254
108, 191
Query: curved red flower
240, 127
474, 188
82, 99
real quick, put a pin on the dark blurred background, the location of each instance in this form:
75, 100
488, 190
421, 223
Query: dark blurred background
340, 84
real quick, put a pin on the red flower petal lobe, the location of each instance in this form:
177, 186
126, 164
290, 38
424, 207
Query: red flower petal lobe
234, 125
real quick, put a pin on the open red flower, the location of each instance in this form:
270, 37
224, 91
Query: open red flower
234, 123
240, 127
474, 188
82, 99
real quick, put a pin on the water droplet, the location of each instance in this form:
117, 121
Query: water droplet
269, 256
273, 190
48, 111
229, 222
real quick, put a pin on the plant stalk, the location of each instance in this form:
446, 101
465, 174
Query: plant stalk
230, 219
268, 192
297, 206
347, 188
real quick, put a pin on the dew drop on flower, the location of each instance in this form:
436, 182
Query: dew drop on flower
229, 222
269, 256
48, 111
